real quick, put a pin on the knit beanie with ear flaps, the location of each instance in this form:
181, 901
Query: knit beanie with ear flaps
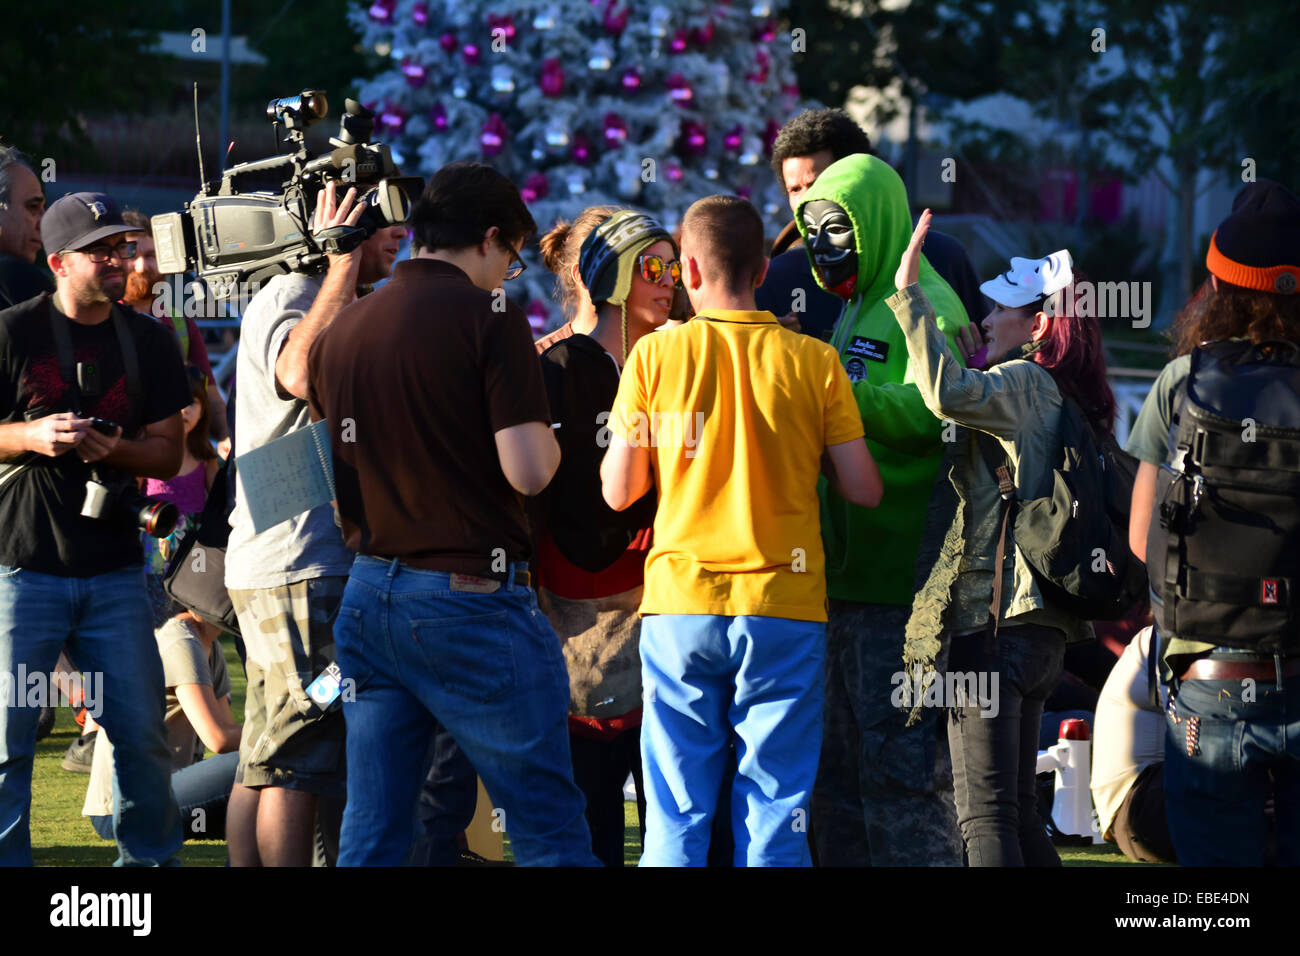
1258, 245
607, 260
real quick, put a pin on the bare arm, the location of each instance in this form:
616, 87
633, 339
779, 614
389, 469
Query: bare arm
51, 436
337, 291
1139, 515
853, 473
529, 455
625, 476
211, 718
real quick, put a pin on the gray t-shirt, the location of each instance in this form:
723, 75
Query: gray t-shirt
184, 662
309, 545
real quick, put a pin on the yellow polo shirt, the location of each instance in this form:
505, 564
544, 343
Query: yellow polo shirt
737, 412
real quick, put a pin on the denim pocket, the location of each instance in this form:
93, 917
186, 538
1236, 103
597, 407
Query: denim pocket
350, 652
471, 656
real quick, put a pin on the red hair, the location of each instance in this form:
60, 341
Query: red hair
1073, 354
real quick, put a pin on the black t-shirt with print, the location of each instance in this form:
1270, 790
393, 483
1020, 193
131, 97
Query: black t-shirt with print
41, 527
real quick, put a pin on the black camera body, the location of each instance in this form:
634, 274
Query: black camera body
257, 223
115, 497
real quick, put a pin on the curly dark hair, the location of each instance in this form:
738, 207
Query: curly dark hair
814, 130
1235, 312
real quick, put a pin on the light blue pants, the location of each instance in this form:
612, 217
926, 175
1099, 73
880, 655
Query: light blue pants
708, 680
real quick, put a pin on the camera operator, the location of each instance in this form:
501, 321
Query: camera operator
21, 206
91, 395
287, 582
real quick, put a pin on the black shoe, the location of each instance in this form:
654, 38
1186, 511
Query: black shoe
46, 723
80, 753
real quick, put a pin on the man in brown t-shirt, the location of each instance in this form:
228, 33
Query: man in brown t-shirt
438, 425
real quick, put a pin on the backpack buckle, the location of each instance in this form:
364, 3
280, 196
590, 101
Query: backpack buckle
1006, 487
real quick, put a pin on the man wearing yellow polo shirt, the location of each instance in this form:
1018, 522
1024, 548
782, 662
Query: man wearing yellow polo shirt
733, 418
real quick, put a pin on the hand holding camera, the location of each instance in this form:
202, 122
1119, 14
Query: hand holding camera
335, 227
99, 440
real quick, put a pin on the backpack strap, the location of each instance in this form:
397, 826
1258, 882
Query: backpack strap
130, 361
996, 462
1153, 655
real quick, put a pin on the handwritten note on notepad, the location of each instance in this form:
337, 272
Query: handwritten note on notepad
286, 477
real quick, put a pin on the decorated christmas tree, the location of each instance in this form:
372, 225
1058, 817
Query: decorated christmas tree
581, 102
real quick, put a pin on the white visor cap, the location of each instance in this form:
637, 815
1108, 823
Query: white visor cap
1029, 280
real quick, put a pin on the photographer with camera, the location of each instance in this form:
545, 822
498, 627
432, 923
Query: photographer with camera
286, 583
91, 396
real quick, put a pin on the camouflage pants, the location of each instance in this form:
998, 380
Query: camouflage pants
289, 740
884, 793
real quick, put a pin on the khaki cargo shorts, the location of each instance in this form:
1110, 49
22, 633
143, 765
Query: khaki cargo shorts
289, 740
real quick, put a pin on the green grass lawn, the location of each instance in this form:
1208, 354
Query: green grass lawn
61, 836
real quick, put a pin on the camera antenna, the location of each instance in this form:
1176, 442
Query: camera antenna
198, 143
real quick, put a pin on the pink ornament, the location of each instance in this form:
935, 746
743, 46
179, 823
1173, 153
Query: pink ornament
678, 44
731, 142
632, 79
420, 13
679, 90
506, 23
744, 192
552, 81
535, 187
615, 21
770, 131
472, 53
438, 117
766, 33
615, 130
537, 316
448, 42
791, 90
415, 74
492, 137
694, 138
702, 36
581, 149
673, 172
381, 11
393, 118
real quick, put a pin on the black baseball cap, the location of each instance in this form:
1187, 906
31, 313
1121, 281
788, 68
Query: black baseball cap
78, 220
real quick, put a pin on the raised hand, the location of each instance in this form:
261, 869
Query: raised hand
909, 268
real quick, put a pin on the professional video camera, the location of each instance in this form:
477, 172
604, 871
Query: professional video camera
257, 224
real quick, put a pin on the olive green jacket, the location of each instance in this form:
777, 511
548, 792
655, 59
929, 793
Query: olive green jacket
1019, 404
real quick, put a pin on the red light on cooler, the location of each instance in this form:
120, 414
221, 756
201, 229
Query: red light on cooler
1073, 728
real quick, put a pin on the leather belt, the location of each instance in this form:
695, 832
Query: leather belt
1257, 670
522, 577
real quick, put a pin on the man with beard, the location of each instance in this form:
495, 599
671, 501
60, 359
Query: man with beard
142, 294
21, 206
90, 399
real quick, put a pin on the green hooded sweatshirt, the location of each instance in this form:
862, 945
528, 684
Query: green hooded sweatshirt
871, 553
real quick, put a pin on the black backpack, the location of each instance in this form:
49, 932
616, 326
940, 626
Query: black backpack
1075, 537
1224, 543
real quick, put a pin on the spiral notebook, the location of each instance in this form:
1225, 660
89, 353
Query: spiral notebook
282, 479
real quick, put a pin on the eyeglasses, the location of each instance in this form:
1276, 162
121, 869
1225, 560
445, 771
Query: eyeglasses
101, 254
653, 269
517, 265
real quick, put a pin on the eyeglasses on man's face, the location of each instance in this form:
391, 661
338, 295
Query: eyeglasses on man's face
517, 265
123, 251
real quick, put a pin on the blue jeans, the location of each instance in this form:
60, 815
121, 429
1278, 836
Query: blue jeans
106, 624
1242, 751
488, 668
204, 786
708, 680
